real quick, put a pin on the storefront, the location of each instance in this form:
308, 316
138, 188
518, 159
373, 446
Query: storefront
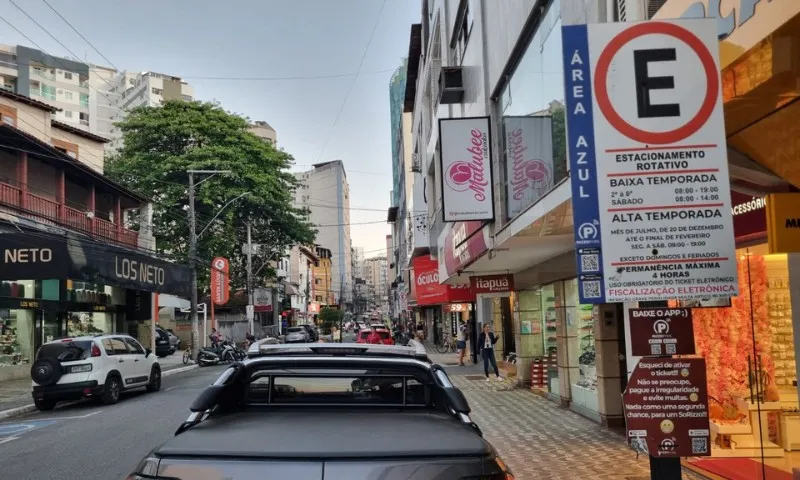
55, 286
434, 300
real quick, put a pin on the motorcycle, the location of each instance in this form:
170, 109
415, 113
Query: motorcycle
224, 352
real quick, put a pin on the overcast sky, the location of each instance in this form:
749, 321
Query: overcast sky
239, 39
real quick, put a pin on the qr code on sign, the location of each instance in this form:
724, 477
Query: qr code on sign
699, 445
639, 445
591, 289
590, 263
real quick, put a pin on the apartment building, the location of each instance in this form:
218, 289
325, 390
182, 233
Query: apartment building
324, 191
89, 97
376, 273
264, 131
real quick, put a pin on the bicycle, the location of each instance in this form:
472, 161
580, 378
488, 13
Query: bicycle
187, 355
447, 345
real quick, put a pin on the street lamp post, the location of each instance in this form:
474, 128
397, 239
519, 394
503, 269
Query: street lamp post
193, 254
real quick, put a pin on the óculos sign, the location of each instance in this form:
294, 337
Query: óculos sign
493, 284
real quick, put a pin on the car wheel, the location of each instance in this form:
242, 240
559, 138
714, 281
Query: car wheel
45, 405
155, 380
112, 391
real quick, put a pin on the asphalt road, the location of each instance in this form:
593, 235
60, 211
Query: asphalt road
87, 441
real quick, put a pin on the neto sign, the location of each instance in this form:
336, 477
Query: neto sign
646, 138
27, 255
136, 271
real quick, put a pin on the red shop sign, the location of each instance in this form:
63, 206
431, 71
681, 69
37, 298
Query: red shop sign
749, 216
463, 244
661, 331
426, 282
666, 407
493, 283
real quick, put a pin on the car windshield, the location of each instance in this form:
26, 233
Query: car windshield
306, 387
66, 351
295, 330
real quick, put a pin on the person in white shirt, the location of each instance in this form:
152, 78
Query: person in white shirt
486, 342
461, 341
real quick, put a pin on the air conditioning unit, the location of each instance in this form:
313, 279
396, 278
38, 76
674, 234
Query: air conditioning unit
415, 165
451, 86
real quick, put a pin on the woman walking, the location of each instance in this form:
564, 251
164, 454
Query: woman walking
486, 342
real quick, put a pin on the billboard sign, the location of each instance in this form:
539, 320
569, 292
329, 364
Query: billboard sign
529, 160
220, 281
661, 331
648, 159
466, 154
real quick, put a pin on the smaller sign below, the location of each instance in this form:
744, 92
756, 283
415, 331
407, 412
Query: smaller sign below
661, 331
783, 222
458, 307
666, 408
250, 312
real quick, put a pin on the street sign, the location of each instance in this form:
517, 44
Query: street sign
201, 308
220, 286
250, 312
648, 158
666, 407
661, 331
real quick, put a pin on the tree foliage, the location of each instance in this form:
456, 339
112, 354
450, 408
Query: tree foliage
330, 317
162, 143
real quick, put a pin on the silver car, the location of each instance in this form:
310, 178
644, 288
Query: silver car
296, 335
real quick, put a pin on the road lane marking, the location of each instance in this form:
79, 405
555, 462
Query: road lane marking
170, 388
70, 417
7, 439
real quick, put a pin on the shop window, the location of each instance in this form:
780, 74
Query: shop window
550, 335
16, 336
532, 119
580, 344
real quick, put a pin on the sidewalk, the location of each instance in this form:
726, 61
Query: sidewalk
536, 437
15, 395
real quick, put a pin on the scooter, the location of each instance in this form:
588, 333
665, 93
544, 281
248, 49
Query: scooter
224, 352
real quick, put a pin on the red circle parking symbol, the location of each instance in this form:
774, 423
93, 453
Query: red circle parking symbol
645, 136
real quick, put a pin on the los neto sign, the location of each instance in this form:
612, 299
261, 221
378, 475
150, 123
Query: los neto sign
650, 188
27, 255
137, 271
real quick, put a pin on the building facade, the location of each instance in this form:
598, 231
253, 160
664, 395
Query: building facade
325, 193
377, 281
322, 279
89, 97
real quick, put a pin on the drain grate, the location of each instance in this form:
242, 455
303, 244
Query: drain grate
450, 364
475, 377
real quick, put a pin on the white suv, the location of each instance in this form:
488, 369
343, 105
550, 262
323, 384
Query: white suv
101, 367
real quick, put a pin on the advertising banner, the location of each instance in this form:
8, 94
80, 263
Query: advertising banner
262, 299
749, 216
661, 331
41, 256
783, 222
459, 246
466, 154
426, 282
220, 283
648, 159
493, 283
666, 408
529, 161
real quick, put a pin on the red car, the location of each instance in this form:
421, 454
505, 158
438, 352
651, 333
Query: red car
386, 336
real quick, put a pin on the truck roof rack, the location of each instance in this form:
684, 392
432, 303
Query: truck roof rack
262, 349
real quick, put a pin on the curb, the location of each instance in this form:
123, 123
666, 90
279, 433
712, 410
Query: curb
16, 412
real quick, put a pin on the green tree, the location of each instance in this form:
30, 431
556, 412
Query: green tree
162, 143
330, 317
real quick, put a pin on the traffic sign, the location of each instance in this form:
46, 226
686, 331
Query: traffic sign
648, 158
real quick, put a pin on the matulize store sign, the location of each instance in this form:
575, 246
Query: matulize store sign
39, 256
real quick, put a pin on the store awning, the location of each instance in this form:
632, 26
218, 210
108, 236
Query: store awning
29, 255
171, 301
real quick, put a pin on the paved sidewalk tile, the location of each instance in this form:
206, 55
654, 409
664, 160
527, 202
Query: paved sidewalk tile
540, 440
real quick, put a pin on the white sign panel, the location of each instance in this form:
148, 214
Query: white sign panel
466, 154
529, 160
649, 168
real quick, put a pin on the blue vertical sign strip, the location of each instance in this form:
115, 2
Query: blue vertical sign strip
582, 162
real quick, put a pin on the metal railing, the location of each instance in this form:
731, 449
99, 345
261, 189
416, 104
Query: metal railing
43, 74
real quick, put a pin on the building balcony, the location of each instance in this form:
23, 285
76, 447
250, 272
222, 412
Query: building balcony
51, 212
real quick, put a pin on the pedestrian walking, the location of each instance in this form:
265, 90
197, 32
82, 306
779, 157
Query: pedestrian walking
486, 342
461, 341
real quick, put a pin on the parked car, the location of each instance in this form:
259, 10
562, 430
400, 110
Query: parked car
233, 431
101, 367
174, 341
163, 345
386, 336
313, 333
296, 335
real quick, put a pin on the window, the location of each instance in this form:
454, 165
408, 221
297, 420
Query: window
462, 32
187, 98
84, 99
134, 346
8, 115
317, 281
156, 91
48, 92
66, 351
68, 113
67, 95
318, 298
67, 76
532, 124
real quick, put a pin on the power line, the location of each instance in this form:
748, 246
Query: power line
353, 85
80, 34
298, 77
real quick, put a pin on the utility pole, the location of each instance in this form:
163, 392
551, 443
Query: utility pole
308, 287
250, 307
341, 307
193, 268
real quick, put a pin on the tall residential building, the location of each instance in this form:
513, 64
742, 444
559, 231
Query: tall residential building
358, 262
90, 97
397, 92
322, 291
325, 193
264, 131
377, 278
